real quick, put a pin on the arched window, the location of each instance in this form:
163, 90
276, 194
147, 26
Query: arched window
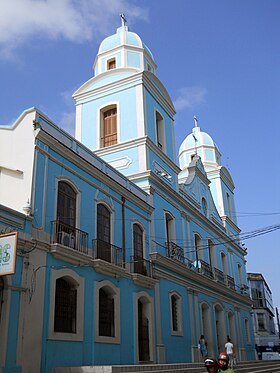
224, 264
169, 226
103, 233
109, 126
174, 310
66, 204
65, 307
212, 254
106, 314
176, 313
160, 131
198, 247
138, 249
229, 206
206, 320
247, 331
204, 206
240, 274
137, 241
232, 327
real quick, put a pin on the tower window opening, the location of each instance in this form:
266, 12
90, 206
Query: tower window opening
229, 206
160, 131
111, 64
109, 127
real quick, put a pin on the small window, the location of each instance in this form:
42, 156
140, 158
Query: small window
111, 64
204, 206
149, 67
109, 127
174, 308
65, 307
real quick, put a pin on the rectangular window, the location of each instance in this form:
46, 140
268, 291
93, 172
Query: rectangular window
111, 64
65, 307
261, 324
106, 314
174, 307
109, 127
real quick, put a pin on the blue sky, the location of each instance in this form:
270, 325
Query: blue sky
218, 59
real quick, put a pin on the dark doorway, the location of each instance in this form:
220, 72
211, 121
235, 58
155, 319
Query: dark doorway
143, 334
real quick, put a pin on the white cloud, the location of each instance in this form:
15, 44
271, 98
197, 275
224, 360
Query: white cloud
67, 122
190, 97
74, 20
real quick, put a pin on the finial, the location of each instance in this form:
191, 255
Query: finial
195, 121
123, 19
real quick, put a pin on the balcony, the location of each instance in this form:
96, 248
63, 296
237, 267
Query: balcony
230, 282
174, 251
141, 266
68, 236
206, 269
219, 276
107, 252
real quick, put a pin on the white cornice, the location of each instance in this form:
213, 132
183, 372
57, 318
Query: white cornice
119, 84
180, 202
200, 283
131, 191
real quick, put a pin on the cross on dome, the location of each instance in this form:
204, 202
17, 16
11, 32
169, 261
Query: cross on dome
123, 19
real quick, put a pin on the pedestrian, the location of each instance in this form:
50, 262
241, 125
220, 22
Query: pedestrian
202, 345
211, 365
223, 361
230, 351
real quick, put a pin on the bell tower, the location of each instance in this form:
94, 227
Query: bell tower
221, 186
124, 113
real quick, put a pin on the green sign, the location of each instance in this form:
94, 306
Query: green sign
8, 253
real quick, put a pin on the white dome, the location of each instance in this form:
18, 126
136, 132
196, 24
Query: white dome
199, 143
196, 138
128, 51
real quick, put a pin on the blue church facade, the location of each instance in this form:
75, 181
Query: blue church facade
123, 257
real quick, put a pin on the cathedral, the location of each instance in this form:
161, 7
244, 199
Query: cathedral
118, 252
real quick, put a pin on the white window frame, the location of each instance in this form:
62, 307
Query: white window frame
115, 292
78, 281
178, 297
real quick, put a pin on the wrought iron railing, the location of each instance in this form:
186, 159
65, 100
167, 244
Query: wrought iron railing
219, 276
69, 236
174, 251
142, 266
230, 282
206, 269
108, 252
